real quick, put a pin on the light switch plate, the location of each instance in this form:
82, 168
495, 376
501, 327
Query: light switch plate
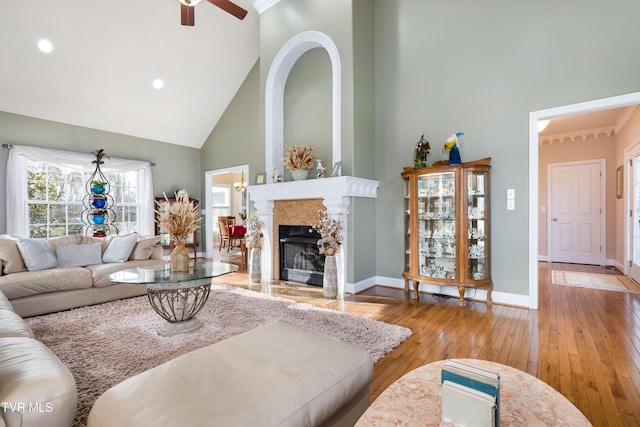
511, 205
511, 194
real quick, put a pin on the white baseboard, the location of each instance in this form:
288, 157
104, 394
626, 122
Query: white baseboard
480, 294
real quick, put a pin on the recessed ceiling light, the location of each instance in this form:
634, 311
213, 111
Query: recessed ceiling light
45, 46
158, 84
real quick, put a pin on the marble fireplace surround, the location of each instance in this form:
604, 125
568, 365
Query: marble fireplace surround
305, 198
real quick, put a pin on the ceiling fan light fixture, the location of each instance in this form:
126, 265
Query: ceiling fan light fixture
189, 2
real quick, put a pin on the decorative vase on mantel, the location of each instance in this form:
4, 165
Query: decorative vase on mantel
299, 174
330, 278
255, 269
179, 259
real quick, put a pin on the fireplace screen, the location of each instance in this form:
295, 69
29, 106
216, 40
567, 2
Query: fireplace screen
300, 260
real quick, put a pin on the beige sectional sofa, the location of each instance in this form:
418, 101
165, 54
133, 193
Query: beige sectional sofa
36, 389
39, 291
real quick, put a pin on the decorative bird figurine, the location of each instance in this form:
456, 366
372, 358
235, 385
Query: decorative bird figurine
451, 144
421, 152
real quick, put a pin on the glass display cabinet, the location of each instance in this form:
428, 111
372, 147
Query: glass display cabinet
447, 227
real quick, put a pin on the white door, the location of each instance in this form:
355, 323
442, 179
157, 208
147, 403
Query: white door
633, 196
576, 212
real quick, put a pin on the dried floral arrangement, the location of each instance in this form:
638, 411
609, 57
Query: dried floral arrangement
299, 157
329, 230
180, 218
253, 236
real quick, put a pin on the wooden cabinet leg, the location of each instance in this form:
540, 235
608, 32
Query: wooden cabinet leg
489, 290
416, 284
461, 290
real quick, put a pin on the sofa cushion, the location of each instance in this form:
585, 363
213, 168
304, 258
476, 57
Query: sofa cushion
54, 242
10, 255
37, 254
4, 303
28, 283
12, 325
120, 248
32, 376
144, 248
79, 255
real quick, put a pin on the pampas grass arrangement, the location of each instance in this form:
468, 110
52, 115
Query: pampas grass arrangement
180, 219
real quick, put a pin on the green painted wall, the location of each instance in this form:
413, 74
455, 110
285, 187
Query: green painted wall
237, 139
176, 166
481, 67
307, 107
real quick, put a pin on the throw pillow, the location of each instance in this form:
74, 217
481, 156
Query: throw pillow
72, 255
120, 248
10, 255
37, 254
144, 248
64, 240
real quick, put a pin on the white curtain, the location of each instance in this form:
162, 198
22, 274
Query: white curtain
16, 182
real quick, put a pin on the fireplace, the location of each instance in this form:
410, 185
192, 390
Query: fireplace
300, 260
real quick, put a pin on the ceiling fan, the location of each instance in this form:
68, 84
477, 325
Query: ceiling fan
188, 10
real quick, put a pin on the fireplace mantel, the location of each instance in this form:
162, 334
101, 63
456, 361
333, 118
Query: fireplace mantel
336, 194
339, 186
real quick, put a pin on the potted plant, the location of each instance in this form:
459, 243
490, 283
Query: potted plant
329, 244
99, 215
180, 219
299, 159
98, 201
97, 186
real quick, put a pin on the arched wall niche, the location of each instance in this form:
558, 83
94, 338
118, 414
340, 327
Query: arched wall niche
282, 64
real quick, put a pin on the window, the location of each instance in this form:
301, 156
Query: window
50, 186
220, 202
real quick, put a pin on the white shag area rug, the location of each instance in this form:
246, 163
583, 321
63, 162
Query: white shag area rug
104, 344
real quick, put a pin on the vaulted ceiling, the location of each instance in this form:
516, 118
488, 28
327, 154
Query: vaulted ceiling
106, 55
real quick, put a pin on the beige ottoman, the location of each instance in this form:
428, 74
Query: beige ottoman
275, 375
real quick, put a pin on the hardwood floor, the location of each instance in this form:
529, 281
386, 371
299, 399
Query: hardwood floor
584, 343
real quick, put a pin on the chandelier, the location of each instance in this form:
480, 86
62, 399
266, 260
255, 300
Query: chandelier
240, 186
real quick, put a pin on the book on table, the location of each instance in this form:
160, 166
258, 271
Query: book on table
470, 394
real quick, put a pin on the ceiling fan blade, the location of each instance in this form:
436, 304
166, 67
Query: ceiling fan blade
188, 15
230, 7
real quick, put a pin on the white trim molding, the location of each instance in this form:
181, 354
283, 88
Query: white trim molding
580, 135
282, 64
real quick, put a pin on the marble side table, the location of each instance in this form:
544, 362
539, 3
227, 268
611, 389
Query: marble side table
414, 400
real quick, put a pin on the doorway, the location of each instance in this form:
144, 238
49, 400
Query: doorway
225, 194
534, 206
631, 188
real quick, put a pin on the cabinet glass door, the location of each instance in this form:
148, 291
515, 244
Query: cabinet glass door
407, 226
478, 226
437, 225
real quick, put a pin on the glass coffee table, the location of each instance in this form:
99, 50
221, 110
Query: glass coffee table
177, 296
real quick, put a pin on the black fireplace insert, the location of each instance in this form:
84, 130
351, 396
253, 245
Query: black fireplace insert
300, 260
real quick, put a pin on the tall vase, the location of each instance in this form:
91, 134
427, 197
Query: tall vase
179, 257
255, 269
299, 174
330, 278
